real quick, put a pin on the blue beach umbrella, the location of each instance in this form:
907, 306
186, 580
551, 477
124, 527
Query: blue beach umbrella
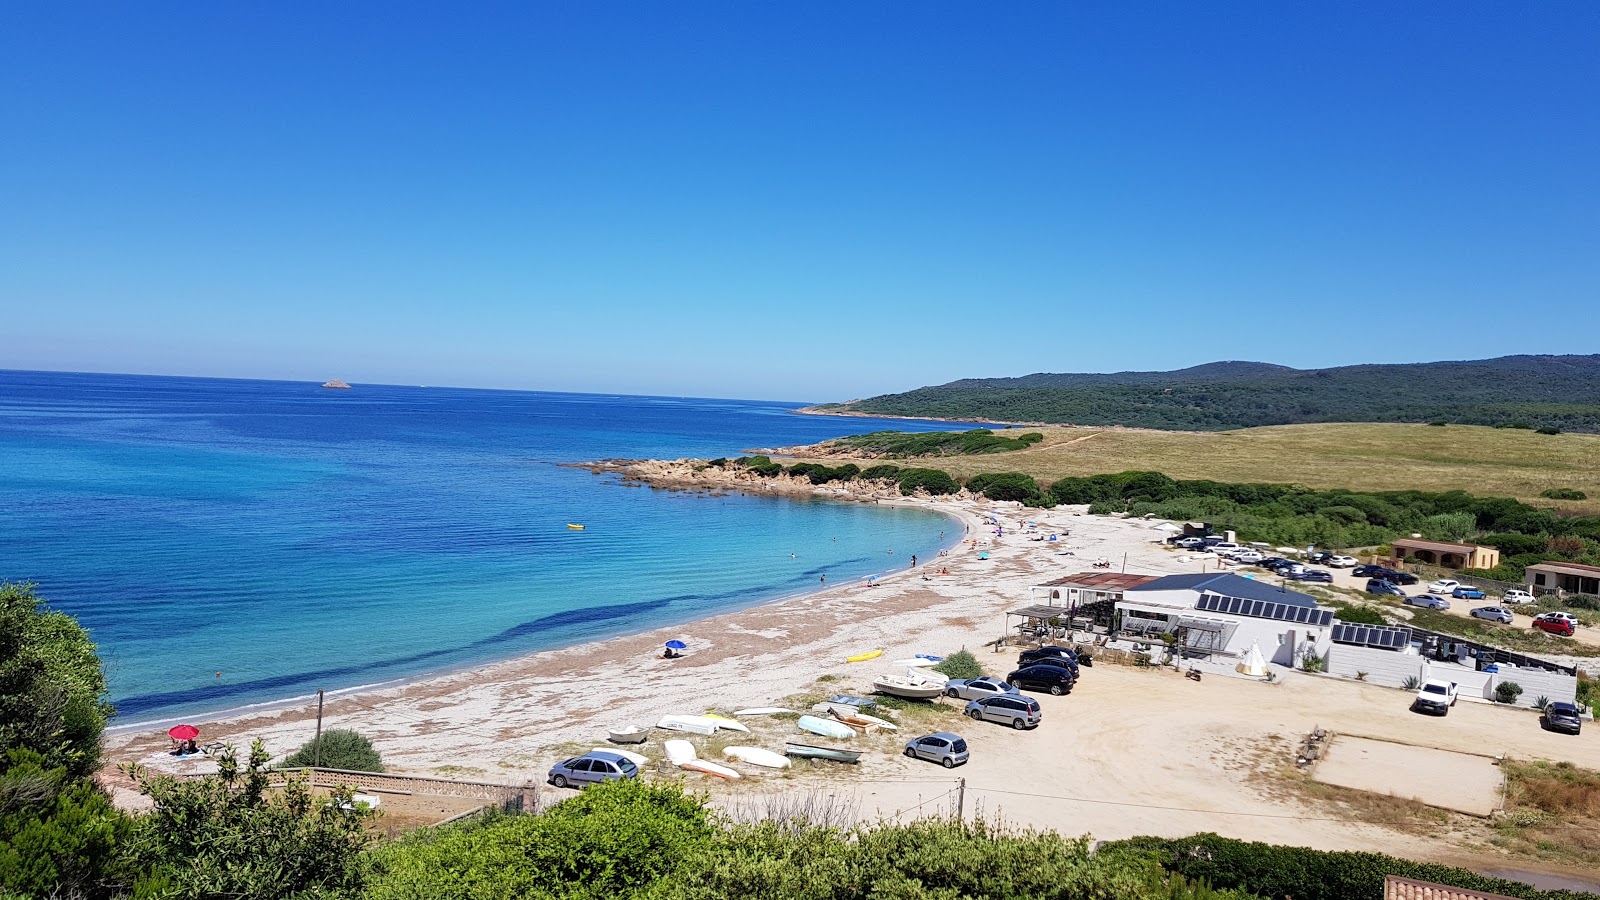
677, 645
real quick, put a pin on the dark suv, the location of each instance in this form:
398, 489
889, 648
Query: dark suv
1063, 657
1042, 677
1380, 586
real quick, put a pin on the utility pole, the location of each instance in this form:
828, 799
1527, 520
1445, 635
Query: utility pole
1124, 563
961, 798
316, 745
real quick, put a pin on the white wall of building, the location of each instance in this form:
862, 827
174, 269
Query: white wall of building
1392, 668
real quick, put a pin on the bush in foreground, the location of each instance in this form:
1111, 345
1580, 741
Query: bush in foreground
960, 664
339, 748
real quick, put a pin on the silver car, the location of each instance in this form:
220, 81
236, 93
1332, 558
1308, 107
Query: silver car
977, 688
946, 749
1428, 601
1493, 613
592, 768
1019, 712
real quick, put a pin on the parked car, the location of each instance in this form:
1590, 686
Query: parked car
1188, 543
1468, 592
1368, 570
1342, 562
1320, 557
977, 688
1436, 696
1042, 677
1428, 601
1320, 575
1272, 562
1516, 597
1403, 579
592, 768
1379, 586
1222, 548
1248, 557
1017, 711
1493, 613
946, 749
1443, 586
1563, 624
1563, 717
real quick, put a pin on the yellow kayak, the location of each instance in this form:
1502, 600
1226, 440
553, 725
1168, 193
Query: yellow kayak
863, 657
574, 527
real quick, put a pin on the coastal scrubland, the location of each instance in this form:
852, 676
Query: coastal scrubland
1503, 462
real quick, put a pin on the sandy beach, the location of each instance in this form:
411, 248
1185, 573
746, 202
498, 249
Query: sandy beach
1129, 752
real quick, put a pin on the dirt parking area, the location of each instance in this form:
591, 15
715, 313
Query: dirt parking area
1133, 752
1460, 782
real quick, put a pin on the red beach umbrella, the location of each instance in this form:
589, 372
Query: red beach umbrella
183, 732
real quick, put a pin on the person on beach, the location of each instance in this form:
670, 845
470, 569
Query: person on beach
913, 560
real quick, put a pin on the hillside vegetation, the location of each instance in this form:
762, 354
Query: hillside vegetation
906, 444
1558, 392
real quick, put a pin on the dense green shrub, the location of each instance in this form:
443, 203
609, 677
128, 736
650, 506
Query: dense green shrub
905, 444
1563, 494
887, 470
338, 748
59, 834
960, 664
1548, 429
52, 691
228, 836
761, 465
1305, 874
1009, 486
934, 481
1360, 615
615, 840
1507, 692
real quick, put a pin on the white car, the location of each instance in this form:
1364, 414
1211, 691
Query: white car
1516, 598
1225, 548
1342, 562
1247, 556
1436, 696
1443, 586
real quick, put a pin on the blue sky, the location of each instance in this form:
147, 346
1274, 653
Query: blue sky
798, 201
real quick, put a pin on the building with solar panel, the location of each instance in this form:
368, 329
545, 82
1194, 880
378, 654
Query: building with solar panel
1224, 614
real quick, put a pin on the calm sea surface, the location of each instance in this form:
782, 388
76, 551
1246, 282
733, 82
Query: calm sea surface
294, 538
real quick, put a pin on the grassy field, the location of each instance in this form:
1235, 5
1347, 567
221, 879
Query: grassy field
1482, 460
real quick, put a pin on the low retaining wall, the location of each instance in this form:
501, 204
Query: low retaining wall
1391, 668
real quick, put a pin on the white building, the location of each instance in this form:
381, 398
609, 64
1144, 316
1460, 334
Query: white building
1224, 614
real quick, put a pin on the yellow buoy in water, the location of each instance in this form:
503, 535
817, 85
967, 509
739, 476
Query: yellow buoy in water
574, 527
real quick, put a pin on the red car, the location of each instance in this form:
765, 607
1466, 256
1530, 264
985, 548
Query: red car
1554, 624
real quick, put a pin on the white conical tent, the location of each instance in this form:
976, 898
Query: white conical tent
1253, 665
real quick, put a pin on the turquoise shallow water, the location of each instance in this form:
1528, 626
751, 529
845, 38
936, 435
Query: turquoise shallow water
295, 539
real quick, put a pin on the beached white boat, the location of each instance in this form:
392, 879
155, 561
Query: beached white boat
915, 662
885, 724
638, 759
710, 768
678, 751
761, 711
826, 727
688, 724
756, 756
917, 685
726, 724
628, 734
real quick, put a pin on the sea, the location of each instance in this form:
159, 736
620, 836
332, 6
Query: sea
230, 543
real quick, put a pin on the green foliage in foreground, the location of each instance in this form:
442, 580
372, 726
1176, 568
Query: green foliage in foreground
633, 840
1305, 874
960, 664
1563, 494
59, 834
904, 444
52, 692
338, 748
228, 836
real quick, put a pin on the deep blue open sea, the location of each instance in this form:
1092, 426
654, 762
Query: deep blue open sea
294, 538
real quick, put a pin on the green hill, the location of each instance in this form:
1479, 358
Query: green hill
1532, 391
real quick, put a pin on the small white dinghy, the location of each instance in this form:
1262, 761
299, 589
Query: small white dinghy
725, 723
628, 734
681, 754
688, 724
826, 727
638, 759
756, 756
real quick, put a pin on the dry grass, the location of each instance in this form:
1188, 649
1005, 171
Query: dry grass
1552, 812
1558, 789
1495, 461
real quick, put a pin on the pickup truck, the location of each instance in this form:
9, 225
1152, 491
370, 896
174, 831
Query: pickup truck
1436, 696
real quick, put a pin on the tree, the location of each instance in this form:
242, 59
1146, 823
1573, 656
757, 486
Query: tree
229, 836
338, 748
59, 835
52, 692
